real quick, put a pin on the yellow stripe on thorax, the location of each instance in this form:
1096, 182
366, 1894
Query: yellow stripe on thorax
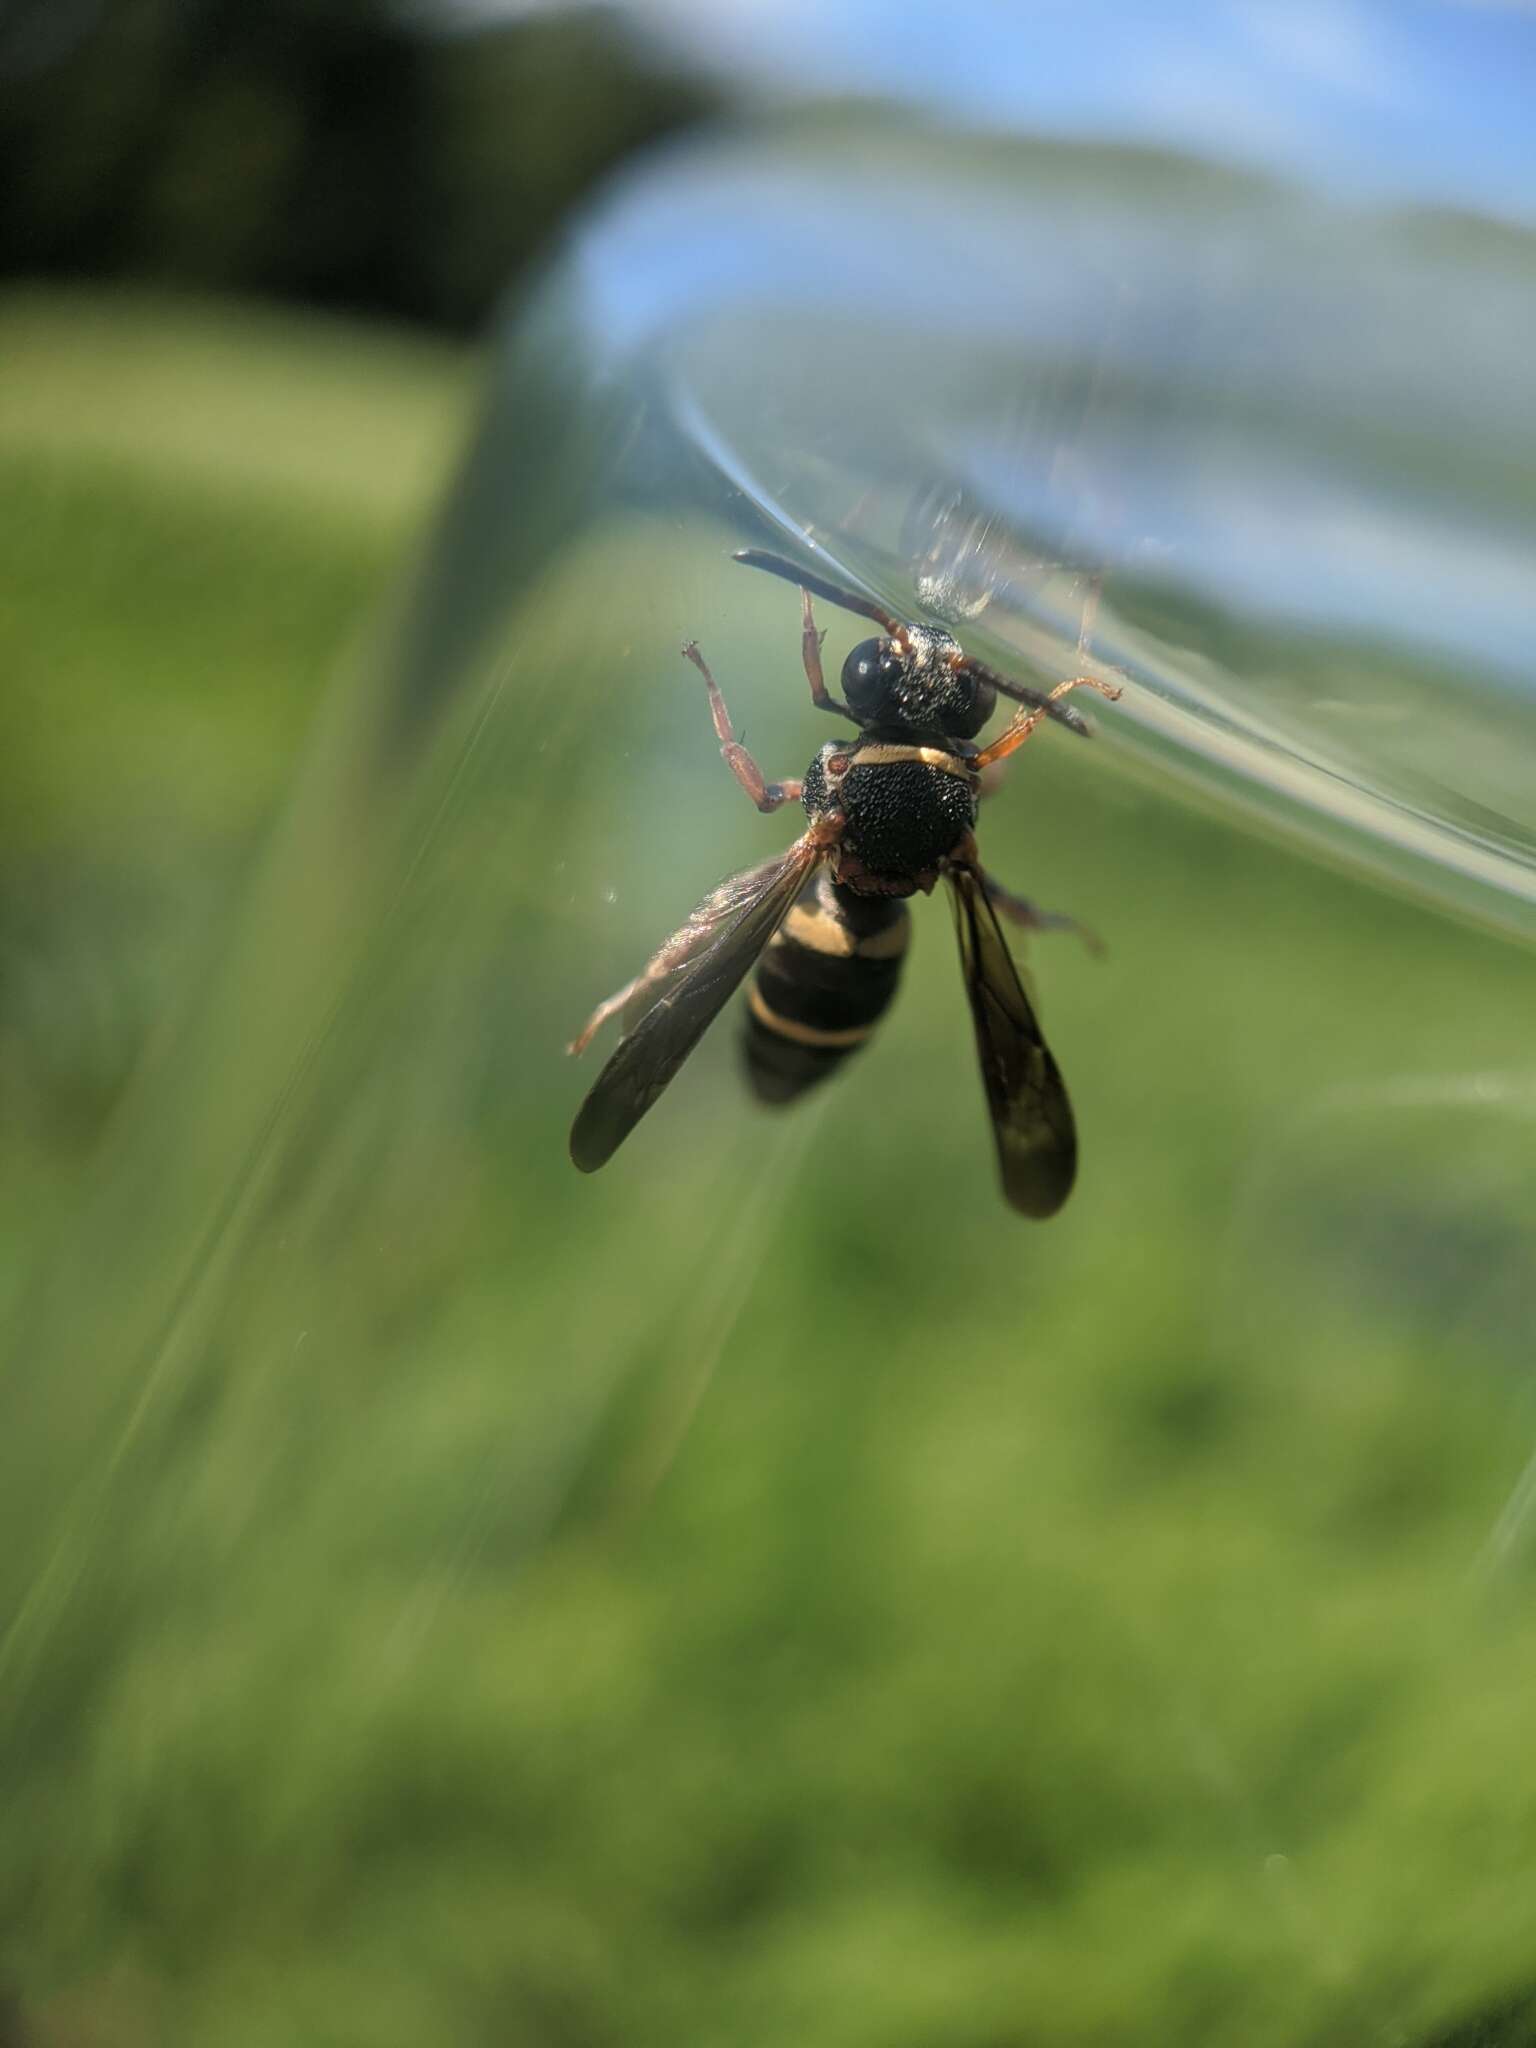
882, 755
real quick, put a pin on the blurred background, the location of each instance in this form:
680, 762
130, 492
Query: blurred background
767, 1592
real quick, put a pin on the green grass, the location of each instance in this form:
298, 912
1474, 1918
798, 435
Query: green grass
765, 1593
198, 506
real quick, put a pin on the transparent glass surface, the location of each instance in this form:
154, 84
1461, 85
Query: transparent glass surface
768, 1591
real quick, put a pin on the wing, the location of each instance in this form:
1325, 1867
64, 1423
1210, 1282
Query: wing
1031, 1116
689, 983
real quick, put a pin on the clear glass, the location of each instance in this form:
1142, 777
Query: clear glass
767, 1591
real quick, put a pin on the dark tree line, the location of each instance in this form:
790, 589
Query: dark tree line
348, 152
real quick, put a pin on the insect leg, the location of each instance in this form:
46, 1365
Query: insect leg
666, 956
1030, 917
600, 1016
993, 778
766, 795
810, 654
1021, 728
1039, 700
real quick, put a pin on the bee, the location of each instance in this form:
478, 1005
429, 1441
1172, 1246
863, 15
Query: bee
825, 924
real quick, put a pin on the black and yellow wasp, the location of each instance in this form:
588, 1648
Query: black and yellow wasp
889, 811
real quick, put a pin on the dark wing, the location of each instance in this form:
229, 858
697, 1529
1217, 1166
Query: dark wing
686, 987
1031, 1116
834, 593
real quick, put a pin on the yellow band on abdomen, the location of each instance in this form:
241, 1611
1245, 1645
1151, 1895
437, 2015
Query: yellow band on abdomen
820, 932
804, 1034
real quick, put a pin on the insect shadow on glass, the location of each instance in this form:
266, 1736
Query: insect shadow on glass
825, 923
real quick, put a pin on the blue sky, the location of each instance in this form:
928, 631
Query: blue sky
1416, 99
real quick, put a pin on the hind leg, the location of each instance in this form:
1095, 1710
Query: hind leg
1030, 917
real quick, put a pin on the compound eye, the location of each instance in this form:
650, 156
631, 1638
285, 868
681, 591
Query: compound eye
975, 700
867, 673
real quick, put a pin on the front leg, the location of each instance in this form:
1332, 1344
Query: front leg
766, 795
1021, 728
810, 655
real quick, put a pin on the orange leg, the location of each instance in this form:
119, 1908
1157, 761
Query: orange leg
810, 654
1030, 917
705, 923
766, 795
667, 955
1021, 728
609, 1007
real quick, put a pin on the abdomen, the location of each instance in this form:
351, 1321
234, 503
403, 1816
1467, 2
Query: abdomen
821, 985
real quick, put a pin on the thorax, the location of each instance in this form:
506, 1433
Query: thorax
907, 801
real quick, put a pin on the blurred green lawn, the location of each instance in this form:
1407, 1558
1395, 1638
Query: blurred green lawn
1029, 1637
196, 506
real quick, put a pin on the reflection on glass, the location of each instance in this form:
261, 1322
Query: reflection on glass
766, 1591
